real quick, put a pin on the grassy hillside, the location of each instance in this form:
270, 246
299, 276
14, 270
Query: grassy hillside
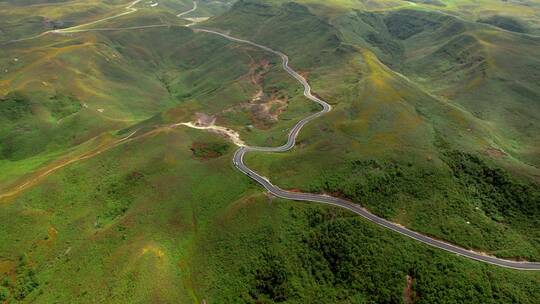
491, 74
103, 230
60, 92
433, 127
389, 123
22, 19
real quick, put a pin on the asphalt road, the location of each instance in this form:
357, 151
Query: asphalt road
238, 162
189, 11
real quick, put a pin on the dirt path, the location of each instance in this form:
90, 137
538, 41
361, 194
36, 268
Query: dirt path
229, 133
130, 10
44, 172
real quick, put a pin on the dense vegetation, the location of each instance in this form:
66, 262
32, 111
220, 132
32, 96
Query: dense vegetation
501, 195
506, 23
327, 256
24, 283
209, 150
14, 107
89, 215
380, 185
384, 186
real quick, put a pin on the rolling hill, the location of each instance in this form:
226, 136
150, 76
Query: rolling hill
106, 198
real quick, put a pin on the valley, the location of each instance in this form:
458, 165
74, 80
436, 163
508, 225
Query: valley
92, 152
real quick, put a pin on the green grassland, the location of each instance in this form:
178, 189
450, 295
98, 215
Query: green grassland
515, 16
413, 130
95, 82
146, 205
26, 18
434, 127
205, 8
151, 221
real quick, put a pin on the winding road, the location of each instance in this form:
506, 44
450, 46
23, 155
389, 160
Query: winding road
238, 159
189, 11
238, 162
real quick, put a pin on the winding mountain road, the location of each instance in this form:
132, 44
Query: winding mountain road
238, 162
188, 11
238, 159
